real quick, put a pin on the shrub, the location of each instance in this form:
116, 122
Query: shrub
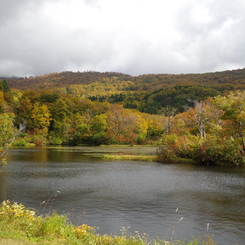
55, 140
20, 142
213, 151
209, 151
165, 154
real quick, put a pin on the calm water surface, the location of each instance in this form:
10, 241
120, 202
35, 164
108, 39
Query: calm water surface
141, 195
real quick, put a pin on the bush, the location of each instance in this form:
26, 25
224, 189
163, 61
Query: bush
55, 140
165, 154
209, 151
219, 151
20, 142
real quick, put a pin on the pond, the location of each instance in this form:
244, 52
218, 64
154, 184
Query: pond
148, 197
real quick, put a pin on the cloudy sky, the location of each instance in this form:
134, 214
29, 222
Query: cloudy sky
130, 36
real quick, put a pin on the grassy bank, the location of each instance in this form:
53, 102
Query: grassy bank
130, 157
148, 158
22, 226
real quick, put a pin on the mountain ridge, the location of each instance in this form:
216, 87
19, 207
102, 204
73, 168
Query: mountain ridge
67, 78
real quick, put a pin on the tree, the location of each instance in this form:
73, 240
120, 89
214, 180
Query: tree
155, 126
99, 124
40, 116
125, 125
8, 133
7, 129
40, 121
4, 86
233, 105
77, 129
98, 129
60, 111
169, 113
24, 111
200, 119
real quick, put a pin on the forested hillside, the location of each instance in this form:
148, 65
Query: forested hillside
146, 93
199, 116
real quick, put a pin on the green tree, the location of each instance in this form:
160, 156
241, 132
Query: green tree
4, 86
99, 124
7, 129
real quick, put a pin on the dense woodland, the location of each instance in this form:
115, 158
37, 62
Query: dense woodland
146, 93
195, 116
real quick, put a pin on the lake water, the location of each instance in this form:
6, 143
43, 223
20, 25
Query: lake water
141, 195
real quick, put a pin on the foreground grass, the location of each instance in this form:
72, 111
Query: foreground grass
22, 226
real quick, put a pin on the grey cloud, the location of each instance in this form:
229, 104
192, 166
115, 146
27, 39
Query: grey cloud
10, 10
215, 42
33, 43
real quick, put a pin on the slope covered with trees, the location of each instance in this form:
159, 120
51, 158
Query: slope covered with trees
193, 119
146, 93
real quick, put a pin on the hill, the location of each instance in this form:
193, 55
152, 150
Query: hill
63, 79
142, 82
147, 93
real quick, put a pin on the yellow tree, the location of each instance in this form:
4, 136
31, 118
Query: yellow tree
1, 96
40, 117
24, 112
233, 105
141, 126
125, 125
156, 126
203, 118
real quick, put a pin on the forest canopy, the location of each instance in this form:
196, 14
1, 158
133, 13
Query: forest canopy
146, 93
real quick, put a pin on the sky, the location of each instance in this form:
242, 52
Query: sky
130, 36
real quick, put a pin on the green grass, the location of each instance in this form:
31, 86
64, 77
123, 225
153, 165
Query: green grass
21, 226
130, 157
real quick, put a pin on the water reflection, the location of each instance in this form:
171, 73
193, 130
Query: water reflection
3, 195
141, 195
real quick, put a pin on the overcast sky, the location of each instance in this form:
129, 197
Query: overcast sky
130, 36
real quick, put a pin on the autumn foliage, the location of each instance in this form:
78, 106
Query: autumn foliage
200, 117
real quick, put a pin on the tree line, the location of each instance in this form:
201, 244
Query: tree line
53, 118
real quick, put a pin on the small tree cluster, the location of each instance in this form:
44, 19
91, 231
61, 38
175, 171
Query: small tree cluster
212, 132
